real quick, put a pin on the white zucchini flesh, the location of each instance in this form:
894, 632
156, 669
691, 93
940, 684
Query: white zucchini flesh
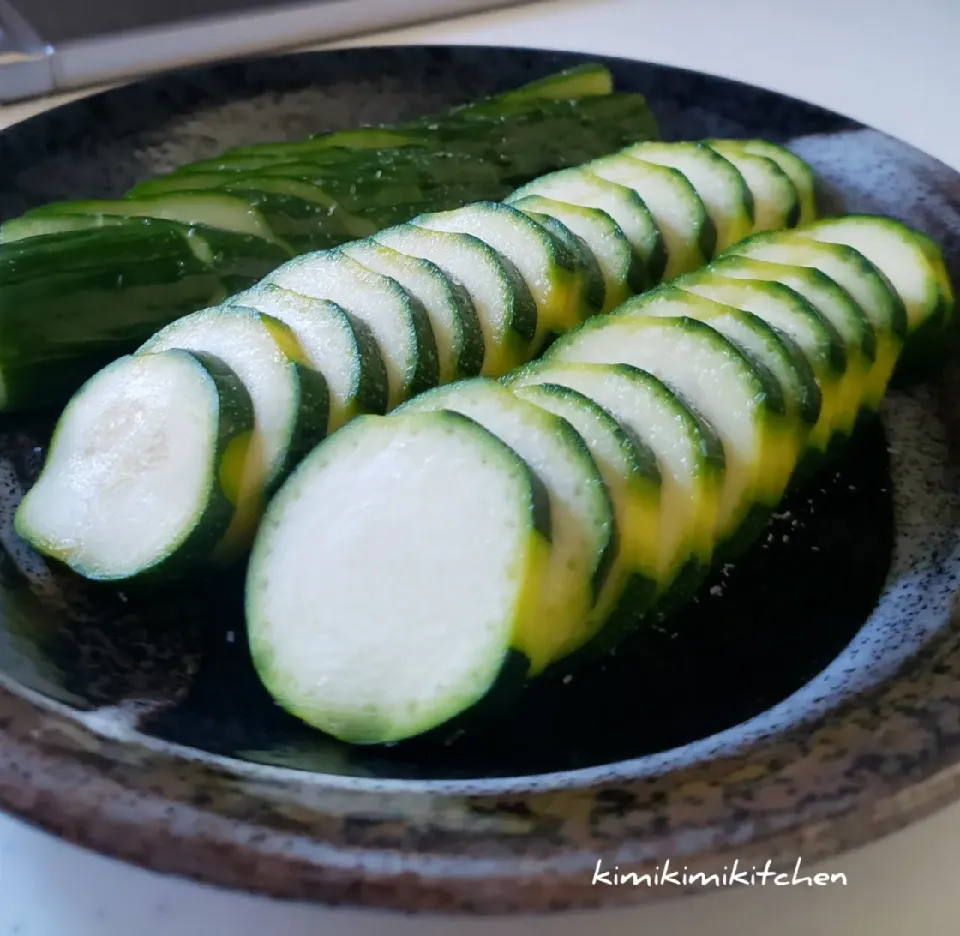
454, 320
508, 326
651, 412
799, 173
705, 369
351, 365
131, 468
750, 333
400, 328
786, 311
246, 341
585, 189
581, 515
871, 351
371, 640
891, 248
775, 202
543, 263
722, 189
846, 266
619, 266
686, 228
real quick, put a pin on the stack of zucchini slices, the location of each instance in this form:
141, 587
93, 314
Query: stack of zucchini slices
506, 514
420, 567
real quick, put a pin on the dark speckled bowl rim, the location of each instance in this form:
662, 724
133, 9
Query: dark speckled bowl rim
870, 766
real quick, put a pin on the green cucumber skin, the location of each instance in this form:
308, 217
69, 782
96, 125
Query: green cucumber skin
133, 283
65, 301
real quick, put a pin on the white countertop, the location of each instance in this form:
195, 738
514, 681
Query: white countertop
889, 63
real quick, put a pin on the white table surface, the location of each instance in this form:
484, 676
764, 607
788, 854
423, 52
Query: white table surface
890, 63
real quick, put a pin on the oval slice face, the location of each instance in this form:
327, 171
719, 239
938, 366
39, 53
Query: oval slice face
720, 185
130, 483
390, 578
705, 369
243, 339
398, 324
581, 515
450, 309
343, 351
505, 310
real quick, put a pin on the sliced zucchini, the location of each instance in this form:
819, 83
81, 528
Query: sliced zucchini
762, 344
582, 528
846, 266
776, 205
821, 348
714, 377
132, 484
893, 249
212, 209
796, 170
689, 237
620, 268
584, 189
722, 189
341, 349
504, 306
290, 404
689, 458
350, 629
590, 277
632, 478
449, 306
398, 323
547, 267
853, 273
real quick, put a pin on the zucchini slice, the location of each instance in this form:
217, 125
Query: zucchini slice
133, 481
449, 307
796, 170
354, 635
341, 349
688, 454
632, 478
621, 270
820, 345
689, 237
722, 189
589, 276
893, 249
547, 267
762, 344
505, 309
398, 324
714, 377
584, 189
849, 291
290, 404
775, 202
582, 529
